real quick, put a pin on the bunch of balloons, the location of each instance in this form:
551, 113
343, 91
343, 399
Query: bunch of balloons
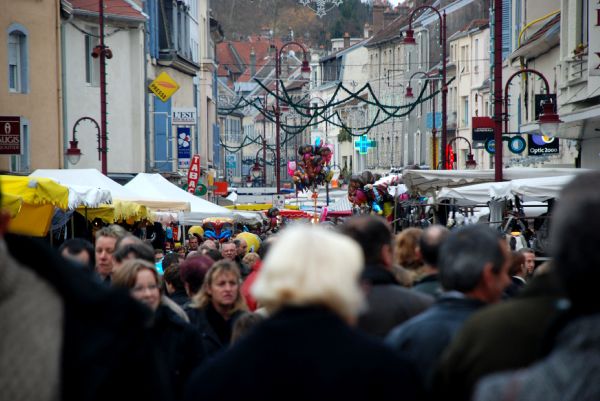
368, 193
311, 168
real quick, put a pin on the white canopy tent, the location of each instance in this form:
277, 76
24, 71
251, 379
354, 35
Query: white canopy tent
428, 181
87, 196
94, 178
157, 186
528, 189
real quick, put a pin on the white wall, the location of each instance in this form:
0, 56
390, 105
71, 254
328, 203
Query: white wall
125, 105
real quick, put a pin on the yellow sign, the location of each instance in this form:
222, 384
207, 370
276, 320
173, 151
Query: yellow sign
164, 86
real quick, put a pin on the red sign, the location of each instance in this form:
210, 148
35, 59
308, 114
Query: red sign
450, 158
10, 135
221, 187
483, 128
193, 174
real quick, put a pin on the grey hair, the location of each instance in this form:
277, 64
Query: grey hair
465, 253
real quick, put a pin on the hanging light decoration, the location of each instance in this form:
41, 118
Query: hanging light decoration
320, 7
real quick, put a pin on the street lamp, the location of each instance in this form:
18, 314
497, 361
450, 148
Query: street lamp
409, 94
255, 172
470, 164
549, 121
73, 153
409, 39
409, 91
305, 73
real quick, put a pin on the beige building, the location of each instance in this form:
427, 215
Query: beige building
468, 95
31, 84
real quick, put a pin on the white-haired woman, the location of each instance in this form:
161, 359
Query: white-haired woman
307, 349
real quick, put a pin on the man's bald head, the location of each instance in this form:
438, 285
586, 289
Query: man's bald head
430, 242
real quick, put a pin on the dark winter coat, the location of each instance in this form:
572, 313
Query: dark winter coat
388, 303
305, 353
107, 349
211, 342
508, 335
179, 345
570, 373
424, 338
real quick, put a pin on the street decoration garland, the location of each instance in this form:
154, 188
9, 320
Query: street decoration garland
316, 114
321, 7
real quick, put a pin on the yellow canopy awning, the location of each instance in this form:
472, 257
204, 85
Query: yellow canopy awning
39, 197
119, 210
36, 191
12, 203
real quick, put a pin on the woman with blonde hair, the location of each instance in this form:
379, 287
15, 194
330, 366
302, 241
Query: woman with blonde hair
217, 306
178, 345
307, 349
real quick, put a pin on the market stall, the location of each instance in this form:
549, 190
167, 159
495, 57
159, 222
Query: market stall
427, 182
38, 198
126, 204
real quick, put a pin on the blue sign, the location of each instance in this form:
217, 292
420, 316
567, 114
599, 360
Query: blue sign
230, 161
363, 144
438, 120
183, 146
216, 144
540, 145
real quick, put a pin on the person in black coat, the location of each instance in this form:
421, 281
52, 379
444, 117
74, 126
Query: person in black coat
178, 344
104, 349
473, 265
218, 305
307, 350
389, 303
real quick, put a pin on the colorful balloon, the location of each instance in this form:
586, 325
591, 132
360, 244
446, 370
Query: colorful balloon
251, 239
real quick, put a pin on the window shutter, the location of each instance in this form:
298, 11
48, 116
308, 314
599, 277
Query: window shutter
506, 28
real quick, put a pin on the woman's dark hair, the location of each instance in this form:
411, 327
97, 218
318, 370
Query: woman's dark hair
193, 270
170, 259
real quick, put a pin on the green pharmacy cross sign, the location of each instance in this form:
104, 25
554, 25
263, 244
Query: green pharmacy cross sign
363, 144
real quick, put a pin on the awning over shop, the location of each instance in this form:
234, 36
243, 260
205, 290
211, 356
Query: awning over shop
94, 178
39, 197
529, 189
426, 182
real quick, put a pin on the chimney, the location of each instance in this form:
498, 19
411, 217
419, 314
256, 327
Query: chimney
378, 22
402, 10
367, 32
388, 16
346, 40
252, 62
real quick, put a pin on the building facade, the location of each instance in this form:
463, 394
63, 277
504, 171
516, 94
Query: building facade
30, 43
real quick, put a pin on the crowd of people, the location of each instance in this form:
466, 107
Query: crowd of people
316, 312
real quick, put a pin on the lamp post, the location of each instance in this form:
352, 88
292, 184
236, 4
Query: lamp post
409, 94
305, 71
498, 89
548, 120
470, 163
410, 40
255, 173
324, 143
73, 153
